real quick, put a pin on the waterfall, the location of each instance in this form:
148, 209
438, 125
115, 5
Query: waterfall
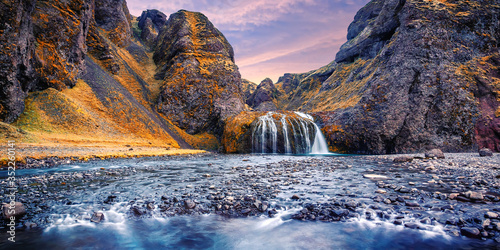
271, 134
288, 148
319, 146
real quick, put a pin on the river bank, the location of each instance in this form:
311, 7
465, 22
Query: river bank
39, 155
458, 196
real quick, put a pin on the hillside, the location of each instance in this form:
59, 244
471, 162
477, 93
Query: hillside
75, 74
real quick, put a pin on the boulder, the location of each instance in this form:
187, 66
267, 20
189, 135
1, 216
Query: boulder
18, 210
434, 153
189, 204
97, 217
403, 159
485, 152
470, 232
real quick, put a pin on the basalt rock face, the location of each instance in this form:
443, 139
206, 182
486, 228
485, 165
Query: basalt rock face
60, 29
151, 22
201, 82
44, 46
296, 89
262, 98
414, 75
16, 57
113, 16
247, 87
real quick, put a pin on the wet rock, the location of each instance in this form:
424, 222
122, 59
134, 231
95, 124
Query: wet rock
189, 204
403, 159
462, 198
17, 210
470, 232
137, 211
150, 206
411, 225
434, 153
496, 225
295, 197
97, 217
412, 204
376, 176
474, 195
485, 223
447, 207
339, 212
30, 225
485, 152
398, 222
246, 211
491, 215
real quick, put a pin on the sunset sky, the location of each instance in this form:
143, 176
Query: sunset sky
271, 38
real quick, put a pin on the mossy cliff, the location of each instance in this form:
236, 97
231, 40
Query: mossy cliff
72, 72
201, 83
413, 75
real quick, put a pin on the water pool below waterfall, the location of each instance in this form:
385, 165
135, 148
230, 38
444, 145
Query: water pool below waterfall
63, 210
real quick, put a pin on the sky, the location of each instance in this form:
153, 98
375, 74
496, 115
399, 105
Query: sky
272, 37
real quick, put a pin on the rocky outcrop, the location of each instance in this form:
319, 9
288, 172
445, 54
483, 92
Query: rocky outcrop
414, 75
247, 87
17, 74
264, 97
44, 46
60, 30
371, 30
298, 88
201, 82
151, 22
113, 16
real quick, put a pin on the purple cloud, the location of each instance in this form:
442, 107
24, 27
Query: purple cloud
271, 38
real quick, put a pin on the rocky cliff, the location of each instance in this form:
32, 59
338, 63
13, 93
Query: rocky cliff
151, 22
413, 75
71, 72
201, 82
264, 97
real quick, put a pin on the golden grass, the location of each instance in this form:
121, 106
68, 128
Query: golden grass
88, 151
347, 94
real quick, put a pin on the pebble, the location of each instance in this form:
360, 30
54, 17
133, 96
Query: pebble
491, 215
470, 232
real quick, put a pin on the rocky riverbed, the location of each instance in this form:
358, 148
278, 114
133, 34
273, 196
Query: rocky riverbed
459, 194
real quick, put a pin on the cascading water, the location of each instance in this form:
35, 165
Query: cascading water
289, 133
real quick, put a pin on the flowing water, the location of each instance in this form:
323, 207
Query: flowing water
281, 133
135, 181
